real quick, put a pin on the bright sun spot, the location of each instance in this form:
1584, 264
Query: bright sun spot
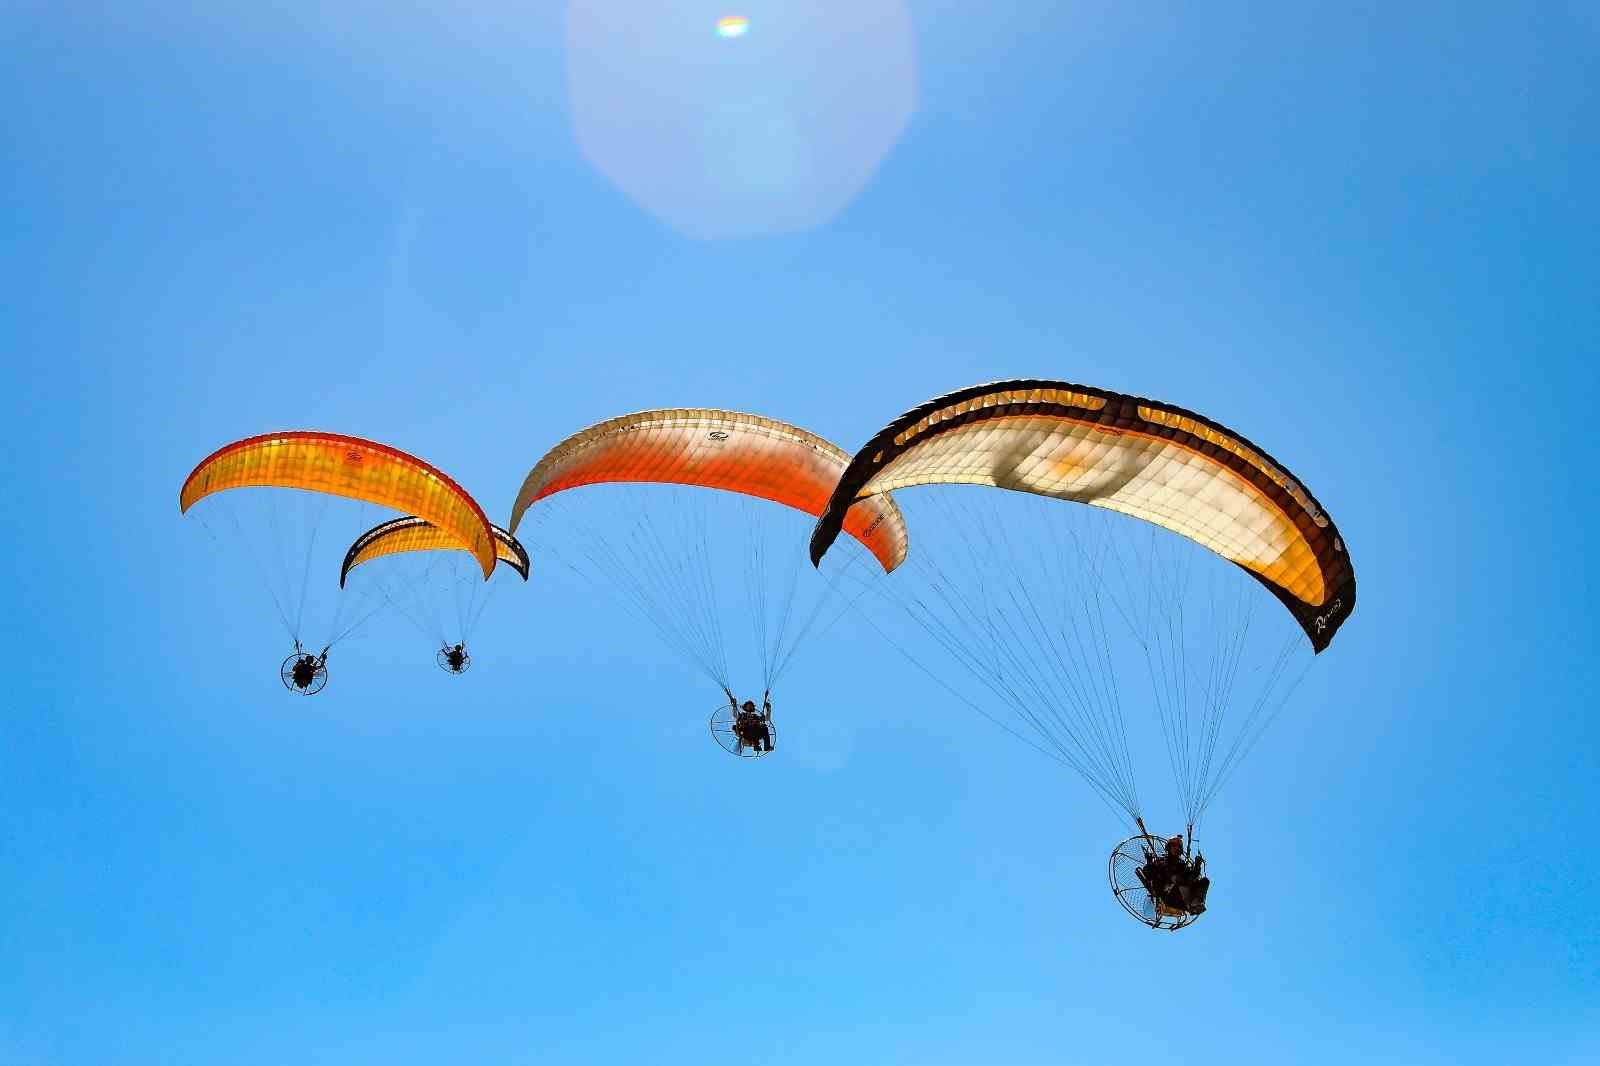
732, 26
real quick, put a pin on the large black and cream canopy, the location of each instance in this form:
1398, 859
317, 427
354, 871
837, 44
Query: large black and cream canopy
1151, 460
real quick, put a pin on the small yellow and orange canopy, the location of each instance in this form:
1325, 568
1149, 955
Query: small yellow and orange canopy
413, 534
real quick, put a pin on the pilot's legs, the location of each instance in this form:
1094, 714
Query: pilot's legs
1194, 895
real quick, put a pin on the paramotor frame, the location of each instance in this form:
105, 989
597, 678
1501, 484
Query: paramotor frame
1127, 858
722, 721
453, 660
304, 674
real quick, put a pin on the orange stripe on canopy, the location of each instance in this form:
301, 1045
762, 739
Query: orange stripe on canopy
351, 467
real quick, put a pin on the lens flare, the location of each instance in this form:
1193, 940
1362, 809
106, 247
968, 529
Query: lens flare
721, 142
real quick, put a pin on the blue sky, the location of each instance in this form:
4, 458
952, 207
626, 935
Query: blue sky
1362, 235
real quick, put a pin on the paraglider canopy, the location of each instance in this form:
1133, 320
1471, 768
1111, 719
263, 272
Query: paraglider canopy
706, 448
1151, 460
414, 534
351, 467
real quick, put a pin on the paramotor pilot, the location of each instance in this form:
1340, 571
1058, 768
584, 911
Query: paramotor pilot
1177, 883
753, 727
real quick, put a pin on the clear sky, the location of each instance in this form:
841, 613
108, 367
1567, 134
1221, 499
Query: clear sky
1364, 234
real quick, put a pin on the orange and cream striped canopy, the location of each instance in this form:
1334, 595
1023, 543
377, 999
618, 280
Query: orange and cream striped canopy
350, 467
1150, 460
713, 449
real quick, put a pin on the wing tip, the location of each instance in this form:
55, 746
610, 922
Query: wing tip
823, 535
